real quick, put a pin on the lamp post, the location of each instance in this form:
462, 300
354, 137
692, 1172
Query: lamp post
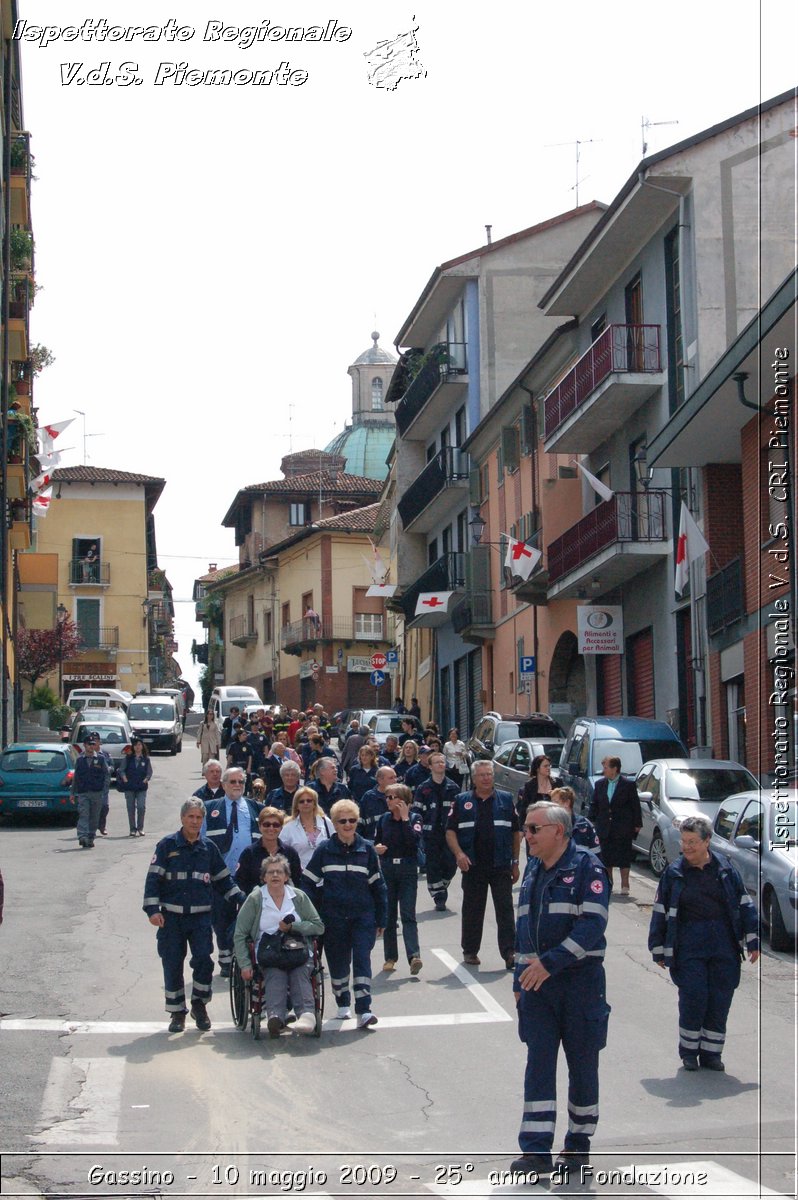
61, 615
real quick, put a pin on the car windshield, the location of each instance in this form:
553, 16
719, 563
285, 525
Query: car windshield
783, 824
150, 712
632, 754
110, 734
539, 727
708, 783
32, 760
553, 752
388, 724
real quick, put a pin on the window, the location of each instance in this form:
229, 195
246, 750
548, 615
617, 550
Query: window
598, 327
368, 626
298, 514
727, 817
268, 632
674, 318
432, 551
377, 404
86, 560
87, 619
459, 426
527, 430
510, 448
752, 823
285, 615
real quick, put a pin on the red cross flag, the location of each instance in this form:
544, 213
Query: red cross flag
382, 589
690, 546
432, 602
521, 558
48, 433
41, 503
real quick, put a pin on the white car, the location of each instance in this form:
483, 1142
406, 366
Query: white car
156, 720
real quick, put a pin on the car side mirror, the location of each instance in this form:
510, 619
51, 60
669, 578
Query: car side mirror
746, 842
647, 798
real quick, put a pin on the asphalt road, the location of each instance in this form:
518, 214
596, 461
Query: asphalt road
91, 1079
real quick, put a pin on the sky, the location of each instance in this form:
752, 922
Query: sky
213, 258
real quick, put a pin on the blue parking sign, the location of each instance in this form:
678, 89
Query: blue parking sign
526, 665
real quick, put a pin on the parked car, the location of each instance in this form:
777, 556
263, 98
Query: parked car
98, 698
493, 730
178, 697
223, 699
759, 833
634, 740
382, 724
112, 726
512, 762
156, 720
37, 777
673, 788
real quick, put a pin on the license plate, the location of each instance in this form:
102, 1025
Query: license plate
31, 804
146, 739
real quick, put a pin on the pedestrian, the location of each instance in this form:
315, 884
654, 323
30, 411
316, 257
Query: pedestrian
389, 754
410, 731
328, 786
185, 873
212, 787
615, 812
363, 774
373, 804
352, 746
270, 841
91, 778
283, 796
583, 831
559, 986
456, 754
399, 706
239, 754
408, 757
483, 835
134, 775
208, 738
314, 749
231, 825
433, 800
344, 881
398, 834
308, 826
702, 926
228, 724
538, 787
415, 708
419, 773
105, 807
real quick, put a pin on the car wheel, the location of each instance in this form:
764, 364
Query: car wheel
179, 747
173, 747
779, 937
657, 857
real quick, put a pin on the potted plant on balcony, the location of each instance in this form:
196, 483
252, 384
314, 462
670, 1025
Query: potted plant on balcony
21, 244
20, 157
39, 358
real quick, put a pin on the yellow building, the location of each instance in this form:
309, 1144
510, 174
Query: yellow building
100, 527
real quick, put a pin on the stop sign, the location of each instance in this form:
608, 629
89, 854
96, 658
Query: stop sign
378, 660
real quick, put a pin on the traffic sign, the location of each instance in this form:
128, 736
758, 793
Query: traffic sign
392, 656
378, 660
377, 678
526, 665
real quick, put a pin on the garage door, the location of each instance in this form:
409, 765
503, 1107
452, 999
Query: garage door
609, 696
640, 652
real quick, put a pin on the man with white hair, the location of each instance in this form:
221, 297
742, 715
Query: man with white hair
231, 824
283, 796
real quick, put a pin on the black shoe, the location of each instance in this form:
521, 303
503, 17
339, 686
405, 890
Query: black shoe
89, 845
440, 904
275, 1027
82, 843
178, 1022
509, 962
572, 1158
690, 1062
200, 1014
712, 1064
224, 970
539, 1163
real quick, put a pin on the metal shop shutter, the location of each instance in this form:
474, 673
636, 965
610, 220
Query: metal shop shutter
608, 681
461, 694
475, 671
640, 650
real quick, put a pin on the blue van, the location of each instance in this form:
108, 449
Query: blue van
634, 740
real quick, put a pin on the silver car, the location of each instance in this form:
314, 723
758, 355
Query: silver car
512, 761
112, 726
757, 830
673, 788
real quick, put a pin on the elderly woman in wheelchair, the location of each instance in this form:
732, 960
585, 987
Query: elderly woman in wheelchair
271, 936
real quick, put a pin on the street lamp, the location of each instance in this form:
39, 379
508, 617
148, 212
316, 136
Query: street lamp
477, 526
61, 615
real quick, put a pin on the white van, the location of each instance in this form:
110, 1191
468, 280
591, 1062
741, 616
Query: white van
80, 698
224, 698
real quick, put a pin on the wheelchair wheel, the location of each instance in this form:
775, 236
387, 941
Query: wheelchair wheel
317, 982
256, 1004
239, 996
256, 1026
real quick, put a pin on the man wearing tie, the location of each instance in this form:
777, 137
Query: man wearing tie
231, 824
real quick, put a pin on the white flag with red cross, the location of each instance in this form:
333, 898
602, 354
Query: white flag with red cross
521, 558
690, 546
432, 602
41, 503
382, 589
48, 433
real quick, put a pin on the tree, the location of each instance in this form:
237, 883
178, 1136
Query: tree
40, 650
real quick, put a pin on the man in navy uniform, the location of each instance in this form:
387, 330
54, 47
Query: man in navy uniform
432, 800
185, 873
90, 784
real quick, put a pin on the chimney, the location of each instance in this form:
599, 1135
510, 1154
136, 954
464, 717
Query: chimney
211, 567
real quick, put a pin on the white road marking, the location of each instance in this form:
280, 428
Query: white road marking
91, 1088
490, 1012
720, 1181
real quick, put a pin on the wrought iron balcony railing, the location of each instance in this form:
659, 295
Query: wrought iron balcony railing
447, 574
105, 638
627, 517
446, 360
242, 630
96, 573
620, 349
473, 609
448, 467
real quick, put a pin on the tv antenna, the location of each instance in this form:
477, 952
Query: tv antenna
578, 142
645, 125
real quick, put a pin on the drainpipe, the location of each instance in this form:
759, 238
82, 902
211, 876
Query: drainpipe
536, 502
4, 574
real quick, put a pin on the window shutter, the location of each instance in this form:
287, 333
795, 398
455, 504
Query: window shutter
527, 429
478, 570
510, 447
474, 486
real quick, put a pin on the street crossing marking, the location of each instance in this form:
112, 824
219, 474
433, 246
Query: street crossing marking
91, 1089
720, 1180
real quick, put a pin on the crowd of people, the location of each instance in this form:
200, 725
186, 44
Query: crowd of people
331, 842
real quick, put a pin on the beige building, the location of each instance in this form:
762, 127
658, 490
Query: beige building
100, 532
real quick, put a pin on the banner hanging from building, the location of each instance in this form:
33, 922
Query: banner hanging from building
600, 628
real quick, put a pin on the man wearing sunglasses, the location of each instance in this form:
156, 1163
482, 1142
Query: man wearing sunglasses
231, 825
559, 986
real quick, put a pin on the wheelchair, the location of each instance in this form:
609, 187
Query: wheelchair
246, 995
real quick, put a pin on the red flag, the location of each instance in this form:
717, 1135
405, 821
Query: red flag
690, 546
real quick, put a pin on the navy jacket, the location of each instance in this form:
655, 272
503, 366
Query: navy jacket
462, 819
328, 796
401, 837
135, 773
360, 781
183, 876
216, 823
372, 805
247, 872
92, 773
663, 933
434, 801
567, 930
346, 881
619, 820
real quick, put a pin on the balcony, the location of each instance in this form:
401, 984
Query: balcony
437, 493
609, 382
447, 574
242, 631
20, 180
725, 597
472, 618
616, 541
305, 634
89, 574
104, 638
440, 384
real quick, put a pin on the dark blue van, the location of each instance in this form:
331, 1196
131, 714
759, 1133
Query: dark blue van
634, 740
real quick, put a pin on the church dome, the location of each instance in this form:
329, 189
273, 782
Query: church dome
365, 448
375, 354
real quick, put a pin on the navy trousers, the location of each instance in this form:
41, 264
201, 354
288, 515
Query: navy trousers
401, 880
348, 943
177, 935
706, 970
569, 1009
476, 883
224, 921
441, 868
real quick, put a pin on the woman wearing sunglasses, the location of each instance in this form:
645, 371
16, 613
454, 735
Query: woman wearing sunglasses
308, 826
270, 824
345, 884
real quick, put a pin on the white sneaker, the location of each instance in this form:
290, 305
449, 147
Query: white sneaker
365, 1019
306, 1023
624, 891
344, 1014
